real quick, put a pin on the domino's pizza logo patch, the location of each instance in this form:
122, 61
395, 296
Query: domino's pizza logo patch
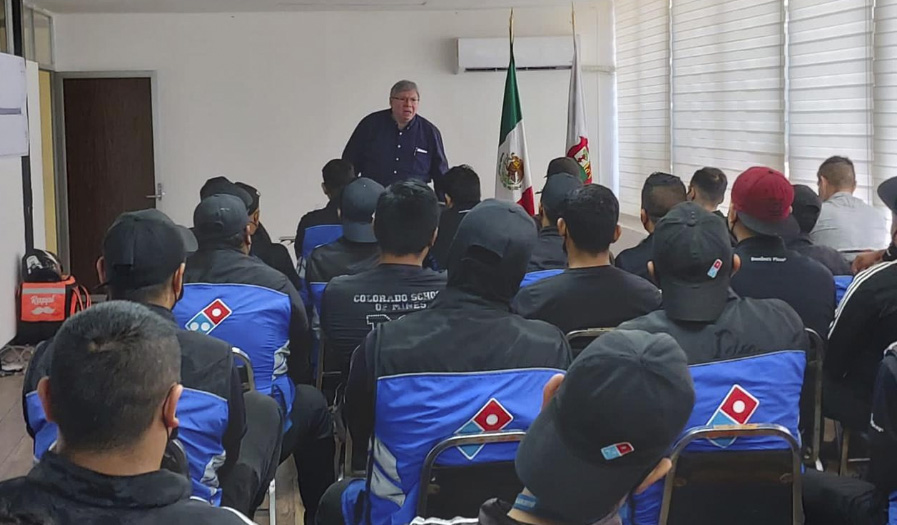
736, 409
209, 317
617, 450
493, 417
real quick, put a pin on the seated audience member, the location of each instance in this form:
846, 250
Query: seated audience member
693, 262
548, 254
590, 293
830, 499
221, 225
865, 324
660, 193
708, 188
640, 383
143, 261
462, 193
405, 226
846, 223
271, 253
566, 165
805, 209
357, 250
759, 217
113, 427
467, 330
337, 174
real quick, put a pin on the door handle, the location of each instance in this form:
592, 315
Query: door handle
159, 193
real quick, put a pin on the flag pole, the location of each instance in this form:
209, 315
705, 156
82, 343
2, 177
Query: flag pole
573, 18
511, 27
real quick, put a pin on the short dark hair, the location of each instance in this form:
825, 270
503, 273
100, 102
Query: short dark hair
660, 193
113, 365
143, 295
838, 171
711, 183
338, 173
591, 214
406, 217
462, 184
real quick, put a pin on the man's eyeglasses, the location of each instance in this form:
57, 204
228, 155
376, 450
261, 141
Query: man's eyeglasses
413, 100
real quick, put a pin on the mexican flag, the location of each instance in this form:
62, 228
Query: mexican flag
512, 178
577, 131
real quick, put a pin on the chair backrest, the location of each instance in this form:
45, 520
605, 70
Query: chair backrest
758, 389
252, 318
319, 236
244, 367
448, 491
415, 412
734, 487
811, 399
579, 339
203, 421
842, 282
534, 277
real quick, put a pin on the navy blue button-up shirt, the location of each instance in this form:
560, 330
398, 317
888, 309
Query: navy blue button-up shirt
379, 150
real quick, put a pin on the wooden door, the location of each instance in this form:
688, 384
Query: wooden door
109, 160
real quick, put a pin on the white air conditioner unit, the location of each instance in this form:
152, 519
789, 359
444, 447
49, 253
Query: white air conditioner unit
493, 54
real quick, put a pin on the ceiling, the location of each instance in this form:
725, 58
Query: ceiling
233, 6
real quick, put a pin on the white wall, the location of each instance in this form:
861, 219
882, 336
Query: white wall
12, 234
268, 98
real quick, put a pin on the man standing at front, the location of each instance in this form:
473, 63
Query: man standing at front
396, 144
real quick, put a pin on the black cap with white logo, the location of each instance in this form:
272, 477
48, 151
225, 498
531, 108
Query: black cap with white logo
623, 402
693, 263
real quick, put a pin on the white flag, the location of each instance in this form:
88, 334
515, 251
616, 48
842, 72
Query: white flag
577, 130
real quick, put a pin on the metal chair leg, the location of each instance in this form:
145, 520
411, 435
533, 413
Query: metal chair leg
272, 497
845, 446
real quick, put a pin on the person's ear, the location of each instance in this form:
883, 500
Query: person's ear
170, 407
656, 475
177, 280
257, 216
643, 216
551, 388
736, 264
691, 194
325, 190
541, 210
101, 269
247, 237
652, 273
448, 200
562, 228
618, 232
43, 393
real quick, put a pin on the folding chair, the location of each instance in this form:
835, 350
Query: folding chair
447, 492
740, 487
247, 379
811, 401
244, 367
534, 277
580, 339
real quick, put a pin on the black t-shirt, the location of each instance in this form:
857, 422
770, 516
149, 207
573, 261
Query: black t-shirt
580, 298
770, 271
353, 304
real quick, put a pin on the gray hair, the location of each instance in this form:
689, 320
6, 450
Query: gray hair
402, 86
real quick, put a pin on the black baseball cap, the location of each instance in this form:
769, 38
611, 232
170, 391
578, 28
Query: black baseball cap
503, 228
557, 188
223, 186
357, 206
219, 216
254, 196
624, 401
887, 192
805, 207
564, 165
693, 263
143, 248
